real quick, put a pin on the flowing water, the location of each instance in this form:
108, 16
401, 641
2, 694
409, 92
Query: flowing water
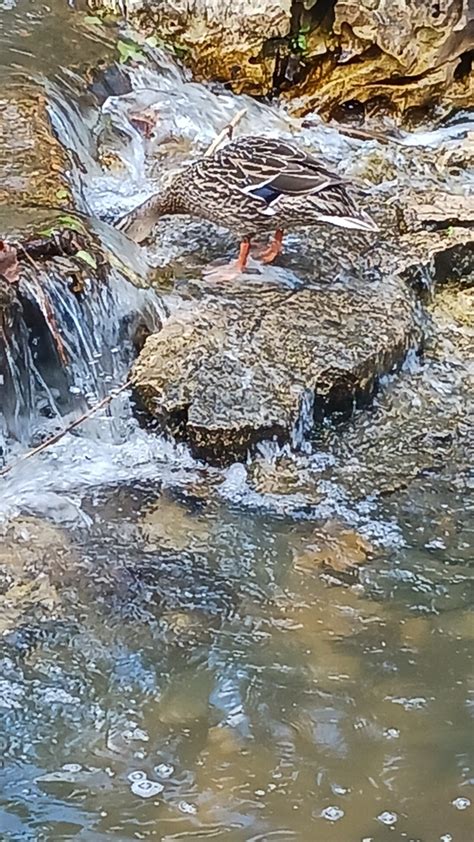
175, 661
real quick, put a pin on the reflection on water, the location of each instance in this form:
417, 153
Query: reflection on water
212, 688
282, 650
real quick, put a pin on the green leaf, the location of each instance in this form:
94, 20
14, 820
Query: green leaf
72, 223
179, 50
301, 42
65, 221
129, 50
62, 194
88, 258
152, 41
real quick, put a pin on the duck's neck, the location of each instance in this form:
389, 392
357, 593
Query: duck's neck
139, 224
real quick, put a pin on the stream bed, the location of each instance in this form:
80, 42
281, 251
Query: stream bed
277, 649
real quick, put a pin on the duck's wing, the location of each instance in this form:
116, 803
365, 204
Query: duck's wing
267, 170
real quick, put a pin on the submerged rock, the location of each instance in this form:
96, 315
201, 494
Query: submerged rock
334, 547
252, 360
33, 554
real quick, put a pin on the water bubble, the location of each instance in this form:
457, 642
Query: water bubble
435, 544
391, 733
187, 807
260, 792
146, 788
337, 789
415, 703
387, 817
332, 814
138, 775
71, 767
164, 770
461, 803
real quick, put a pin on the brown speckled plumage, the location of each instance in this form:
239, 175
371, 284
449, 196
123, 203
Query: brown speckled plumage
251, 186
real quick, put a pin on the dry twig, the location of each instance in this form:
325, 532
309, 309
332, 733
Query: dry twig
57, 436
227, 131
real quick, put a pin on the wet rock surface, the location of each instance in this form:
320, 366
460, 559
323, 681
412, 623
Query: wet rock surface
254, 361
33, 163
33, 556
391, 54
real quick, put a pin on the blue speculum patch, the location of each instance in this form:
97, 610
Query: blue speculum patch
266, 192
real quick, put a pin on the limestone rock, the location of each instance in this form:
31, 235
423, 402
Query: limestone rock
335, 547
32, 557
32, 162
394, 53
264, 362
219, 40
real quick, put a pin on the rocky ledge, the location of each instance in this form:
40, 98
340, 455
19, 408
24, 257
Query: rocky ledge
270, 355
254, 360
391, 55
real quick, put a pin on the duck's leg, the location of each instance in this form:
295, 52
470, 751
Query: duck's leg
243, 254
232, 270
274, 249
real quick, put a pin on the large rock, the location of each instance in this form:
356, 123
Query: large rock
251, 360
33, 164
254, 361
392, 52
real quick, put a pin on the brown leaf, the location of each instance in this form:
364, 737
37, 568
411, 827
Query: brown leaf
145, 123
9, 267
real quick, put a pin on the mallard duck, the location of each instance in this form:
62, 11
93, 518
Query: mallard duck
251, 186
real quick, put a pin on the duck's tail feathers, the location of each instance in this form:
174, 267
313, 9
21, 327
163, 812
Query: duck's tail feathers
361, 222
